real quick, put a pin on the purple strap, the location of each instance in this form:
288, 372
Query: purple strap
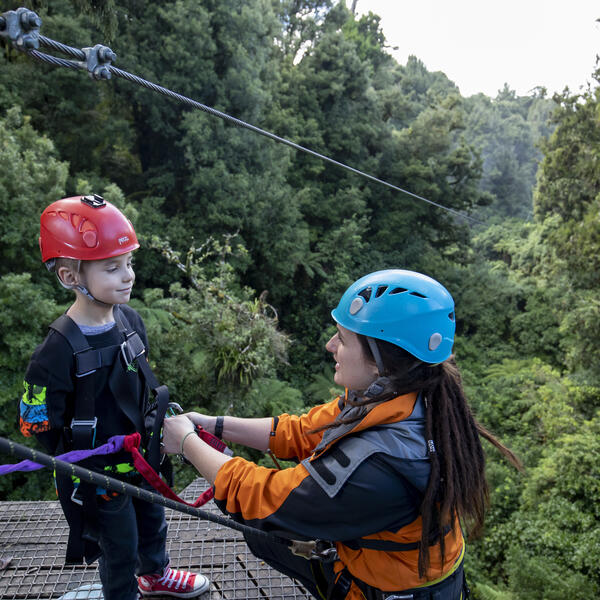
113, 445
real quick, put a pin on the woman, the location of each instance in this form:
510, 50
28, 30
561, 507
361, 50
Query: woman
387, 472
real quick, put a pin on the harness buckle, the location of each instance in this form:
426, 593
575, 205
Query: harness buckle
129, 354
75, 498
84, 423
303, 549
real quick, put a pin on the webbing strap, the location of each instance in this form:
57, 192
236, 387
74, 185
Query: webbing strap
131, 443
114, 444
90, 360
390, 545
8, 446
83, 426
160, 392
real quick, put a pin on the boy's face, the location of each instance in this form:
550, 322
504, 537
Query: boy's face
109, 280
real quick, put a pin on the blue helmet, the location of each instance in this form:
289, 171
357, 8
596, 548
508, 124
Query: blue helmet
405, 308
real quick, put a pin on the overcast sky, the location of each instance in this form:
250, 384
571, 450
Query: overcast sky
480, 45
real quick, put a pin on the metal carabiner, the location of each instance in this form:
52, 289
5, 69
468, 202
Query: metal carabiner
174, 407
321, 550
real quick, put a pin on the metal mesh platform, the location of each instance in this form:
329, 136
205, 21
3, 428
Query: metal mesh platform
33, 539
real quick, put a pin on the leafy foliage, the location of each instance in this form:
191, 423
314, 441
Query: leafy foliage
247, 244
509, 129
226, 339
31, 178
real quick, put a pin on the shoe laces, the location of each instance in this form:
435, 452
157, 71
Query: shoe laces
174, 578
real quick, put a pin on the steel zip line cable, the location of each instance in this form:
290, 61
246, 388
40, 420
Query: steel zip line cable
306, 548
9, 447
22, 28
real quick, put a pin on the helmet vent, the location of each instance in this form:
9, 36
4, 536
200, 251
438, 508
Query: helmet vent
417, 295
380, 290
90, 238
451, 316
366, 293
398, 291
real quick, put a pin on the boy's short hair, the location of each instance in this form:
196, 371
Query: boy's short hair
55, 264
70, 263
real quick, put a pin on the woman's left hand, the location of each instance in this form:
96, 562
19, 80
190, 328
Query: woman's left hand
174, 430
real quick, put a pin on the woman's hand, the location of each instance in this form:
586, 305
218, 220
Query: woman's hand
174, 431
255, 433
207, 422
179, 437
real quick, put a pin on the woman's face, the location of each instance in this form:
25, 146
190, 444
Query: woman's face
352, 368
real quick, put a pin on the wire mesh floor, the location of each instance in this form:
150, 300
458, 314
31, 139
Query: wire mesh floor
33, 539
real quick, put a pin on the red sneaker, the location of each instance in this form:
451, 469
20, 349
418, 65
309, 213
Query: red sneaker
173, 582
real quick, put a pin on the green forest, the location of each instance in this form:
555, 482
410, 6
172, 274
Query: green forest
247, 244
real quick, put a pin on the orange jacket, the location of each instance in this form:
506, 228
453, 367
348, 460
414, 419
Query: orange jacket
378, 500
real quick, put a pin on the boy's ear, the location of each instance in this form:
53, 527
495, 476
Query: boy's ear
67, 275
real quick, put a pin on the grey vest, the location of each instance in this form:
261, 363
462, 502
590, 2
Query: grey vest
404, 439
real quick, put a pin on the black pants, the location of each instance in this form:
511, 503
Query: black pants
133, 536
453, 587
315, 576
318, 577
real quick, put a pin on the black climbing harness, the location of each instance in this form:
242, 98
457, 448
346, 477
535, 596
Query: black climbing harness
88, 360
81, 434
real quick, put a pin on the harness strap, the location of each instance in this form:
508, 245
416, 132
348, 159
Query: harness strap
133, 348
83, 425
90, 360
131, 443
114, 444
452, 586
390, 545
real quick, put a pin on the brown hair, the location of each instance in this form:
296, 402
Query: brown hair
71, 263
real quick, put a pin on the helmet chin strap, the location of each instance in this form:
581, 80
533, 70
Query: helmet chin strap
78, 287
86, 293
376, 355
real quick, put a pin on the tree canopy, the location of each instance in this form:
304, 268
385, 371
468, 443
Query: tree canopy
247, 244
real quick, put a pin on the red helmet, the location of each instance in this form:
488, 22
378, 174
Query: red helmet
85, 228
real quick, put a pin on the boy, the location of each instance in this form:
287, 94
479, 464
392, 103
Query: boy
83, 385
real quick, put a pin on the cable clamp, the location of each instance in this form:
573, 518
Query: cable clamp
321, 550
97, 61
22, 28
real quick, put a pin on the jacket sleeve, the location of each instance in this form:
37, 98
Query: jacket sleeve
374, 499
291, 438
44, 406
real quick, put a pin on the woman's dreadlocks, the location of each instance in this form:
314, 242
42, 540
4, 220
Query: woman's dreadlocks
457, 487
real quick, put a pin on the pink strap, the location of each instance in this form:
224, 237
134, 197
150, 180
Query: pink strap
131, 443
212, 440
